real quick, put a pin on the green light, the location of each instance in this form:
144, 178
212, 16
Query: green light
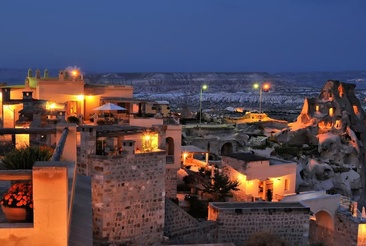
256, 86
204, 87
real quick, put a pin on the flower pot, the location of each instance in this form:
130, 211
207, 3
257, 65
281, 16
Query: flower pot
17, 214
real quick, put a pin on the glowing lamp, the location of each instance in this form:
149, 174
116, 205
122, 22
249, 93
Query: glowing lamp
74, 73
80, 97
203, 87
266, 87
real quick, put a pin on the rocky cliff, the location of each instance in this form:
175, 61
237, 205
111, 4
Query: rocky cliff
335, 123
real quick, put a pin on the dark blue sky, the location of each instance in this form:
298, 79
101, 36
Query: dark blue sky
184, 36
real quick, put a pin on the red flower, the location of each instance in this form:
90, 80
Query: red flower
19, 195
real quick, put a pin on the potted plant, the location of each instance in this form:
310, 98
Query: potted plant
17, 202
24, 158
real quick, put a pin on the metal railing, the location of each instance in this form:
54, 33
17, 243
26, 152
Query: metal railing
60, 146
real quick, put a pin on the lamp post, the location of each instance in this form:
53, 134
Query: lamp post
261, 87
203, 87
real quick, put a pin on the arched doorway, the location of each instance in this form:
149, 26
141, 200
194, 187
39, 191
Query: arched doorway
324, 219
169, 148
226, 149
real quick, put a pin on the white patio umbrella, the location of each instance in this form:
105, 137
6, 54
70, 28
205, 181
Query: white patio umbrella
109, 107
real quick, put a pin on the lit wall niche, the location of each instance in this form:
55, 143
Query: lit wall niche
149, 142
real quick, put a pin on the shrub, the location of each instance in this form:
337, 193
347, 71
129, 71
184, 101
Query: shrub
24, 158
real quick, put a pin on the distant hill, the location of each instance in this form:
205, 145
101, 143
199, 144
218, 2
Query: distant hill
287, 92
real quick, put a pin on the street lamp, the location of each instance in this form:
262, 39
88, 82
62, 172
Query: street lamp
203, 87
261, 87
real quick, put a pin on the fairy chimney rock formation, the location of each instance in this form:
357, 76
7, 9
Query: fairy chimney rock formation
334, 109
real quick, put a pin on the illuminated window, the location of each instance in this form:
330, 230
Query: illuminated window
287, 184
338, 124
331, 111
317, 108
355, 109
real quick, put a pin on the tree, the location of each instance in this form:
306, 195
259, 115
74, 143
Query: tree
219, 186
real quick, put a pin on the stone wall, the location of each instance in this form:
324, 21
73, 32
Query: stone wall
236, 225
346, 231
171, 182
128, 198
182, 228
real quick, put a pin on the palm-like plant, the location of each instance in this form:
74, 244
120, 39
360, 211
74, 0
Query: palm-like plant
220, 186
24, 158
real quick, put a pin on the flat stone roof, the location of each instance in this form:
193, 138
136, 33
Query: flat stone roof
192, 149
113, 130
255, 205
247, 157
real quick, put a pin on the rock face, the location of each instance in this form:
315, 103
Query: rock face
335, 121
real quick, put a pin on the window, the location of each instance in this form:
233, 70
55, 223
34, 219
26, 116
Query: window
286, 184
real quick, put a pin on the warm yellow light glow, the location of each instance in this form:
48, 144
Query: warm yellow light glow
317, 108
338, 124
50, 105
361, 233
10, 107
239, 110
266, 87
331, 111
242, 178
149, 141
256, 86
80, 97
74, 73
204, 87
185, 154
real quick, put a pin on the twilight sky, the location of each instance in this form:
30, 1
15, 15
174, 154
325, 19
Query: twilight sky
184, 35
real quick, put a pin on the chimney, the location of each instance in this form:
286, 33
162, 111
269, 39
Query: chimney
128, 146
6, 94
30, 73
38, 74
27, 95
45, 74
61, 75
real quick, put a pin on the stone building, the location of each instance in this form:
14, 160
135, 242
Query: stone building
133, 170
259, 175
237, 221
